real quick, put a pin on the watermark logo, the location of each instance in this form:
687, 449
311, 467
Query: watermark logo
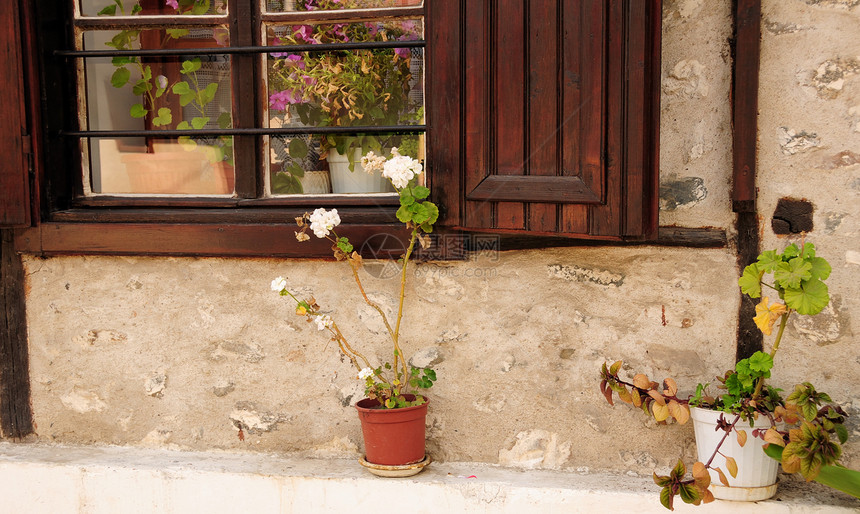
386, 250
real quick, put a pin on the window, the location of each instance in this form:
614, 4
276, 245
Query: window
541, 118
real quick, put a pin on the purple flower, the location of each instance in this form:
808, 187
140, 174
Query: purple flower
222, 36
296, 60
172, 3
305, 33
372, 28
277, 42
281, 99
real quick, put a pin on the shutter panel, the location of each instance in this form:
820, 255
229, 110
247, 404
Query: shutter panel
559, 107
14, 143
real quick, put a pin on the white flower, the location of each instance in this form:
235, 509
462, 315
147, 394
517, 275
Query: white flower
322, 221
365, 373
372, 163
400, 169
279, 284
161, 82
323, 322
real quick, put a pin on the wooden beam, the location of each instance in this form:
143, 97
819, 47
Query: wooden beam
16, 419
745, 78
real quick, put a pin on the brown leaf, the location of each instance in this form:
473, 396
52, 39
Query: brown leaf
742, 437
732, 466
790, 464
637, 398
773, 437
670, 387
722, 476
681, 413
641, 381
624, 396
657, 397
700, 473
709, 496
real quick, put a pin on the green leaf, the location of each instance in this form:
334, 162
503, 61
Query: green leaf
141, 87
750, 281
820, 268
811, 298
790, 274
689, 493
225, 120
137, 111
296, 170
431, 374
121, 61
177, 33
298, 148
120, 77
136, 9
164, 117
199, 122
841, 432
190, 66
404, 214
183, 125
761, 362
108, 11
768, 261
208, 93
791, 251
666, 497
420, 192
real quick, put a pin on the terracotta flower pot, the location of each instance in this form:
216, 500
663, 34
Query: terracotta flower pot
392, 437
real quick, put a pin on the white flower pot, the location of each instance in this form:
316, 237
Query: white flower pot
345, 181
756, 478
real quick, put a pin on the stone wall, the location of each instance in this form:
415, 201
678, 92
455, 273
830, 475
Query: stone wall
184, 352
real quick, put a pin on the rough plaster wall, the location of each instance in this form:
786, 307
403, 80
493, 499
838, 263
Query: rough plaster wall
695, 135
809, 148
182, 352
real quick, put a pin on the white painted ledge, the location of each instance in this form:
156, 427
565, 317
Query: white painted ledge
110, 480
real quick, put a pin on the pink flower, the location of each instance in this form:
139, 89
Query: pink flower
305, 33
281, 99
172, 3
296, 60
221, 35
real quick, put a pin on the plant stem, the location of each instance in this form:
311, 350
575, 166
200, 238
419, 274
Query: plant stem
720, 444
400, 307
782, 322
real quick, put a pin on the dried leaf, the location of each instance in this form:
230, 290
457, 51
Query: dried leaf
657, 397
624, 396
641, 381
773, 437
701, 475
790, 463
637, 399
742, 437
670, 387
767, 316
722, 476
709, 496
681, 413
732, 466
661, 412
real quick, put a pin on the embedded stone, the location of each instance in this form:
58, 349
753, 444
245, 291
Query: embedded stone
82, 400
792, 141
248, 417
491, 403
682, 192
823, 329
426, 358
577, 274
100, 337
677, 362
155, 384
687, 79
536, 449
233, 350
792, 216
223, 388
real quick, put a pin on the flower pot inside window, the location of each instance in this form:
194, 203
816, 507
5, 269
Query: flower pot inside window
357, 181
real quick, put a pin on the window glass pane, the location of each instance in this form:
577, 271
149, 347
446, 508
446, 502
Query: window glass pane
156, 93
372, 87
325, 5
151, 7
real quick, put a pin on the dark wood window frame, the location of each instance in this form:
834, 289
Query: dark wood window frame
66, 222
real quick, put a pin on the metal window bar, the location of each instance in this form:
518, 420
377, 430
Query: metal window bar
284, 131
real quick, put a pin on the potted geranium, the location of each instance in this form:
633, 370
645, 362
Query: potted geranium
741, 427
345, 89
393, 413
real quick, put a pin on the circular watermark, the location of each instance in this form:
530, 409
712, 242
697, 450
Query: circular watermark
385, 249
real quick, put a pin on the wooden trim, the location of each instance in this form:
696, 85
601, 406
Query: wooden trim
15, 142
533, 188
249, 240
16, 418
745, 79
667, 236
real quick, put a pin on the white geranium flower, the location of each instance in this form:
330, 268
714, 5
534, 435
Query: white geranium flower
323, 322
279, 284
400, 169
365, 373
372, 163
322, 221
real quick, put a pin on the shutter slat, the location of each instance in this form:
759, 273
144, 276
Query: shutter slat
14, 187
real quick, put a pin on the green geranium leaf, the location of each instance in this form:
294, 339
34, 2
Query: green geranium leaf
183, 125
108, 11
750, 281
190, 66
296, 170
137, 111
761, 362
141, 87
820, 268
809, 299
225, 120
420, 192
177, 33
298, 148
791, 251
404, 214
181, 88
164, 117
122, 60
769, 260
199, 122
120, 77
136, 9
790, 274
208, 93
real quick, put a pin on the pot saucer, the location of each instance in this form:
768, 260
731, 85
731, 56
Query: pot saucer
406, 470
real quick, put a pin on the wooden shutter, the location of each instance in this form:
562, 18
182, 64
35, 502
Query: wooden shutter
556, 116
14, 141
